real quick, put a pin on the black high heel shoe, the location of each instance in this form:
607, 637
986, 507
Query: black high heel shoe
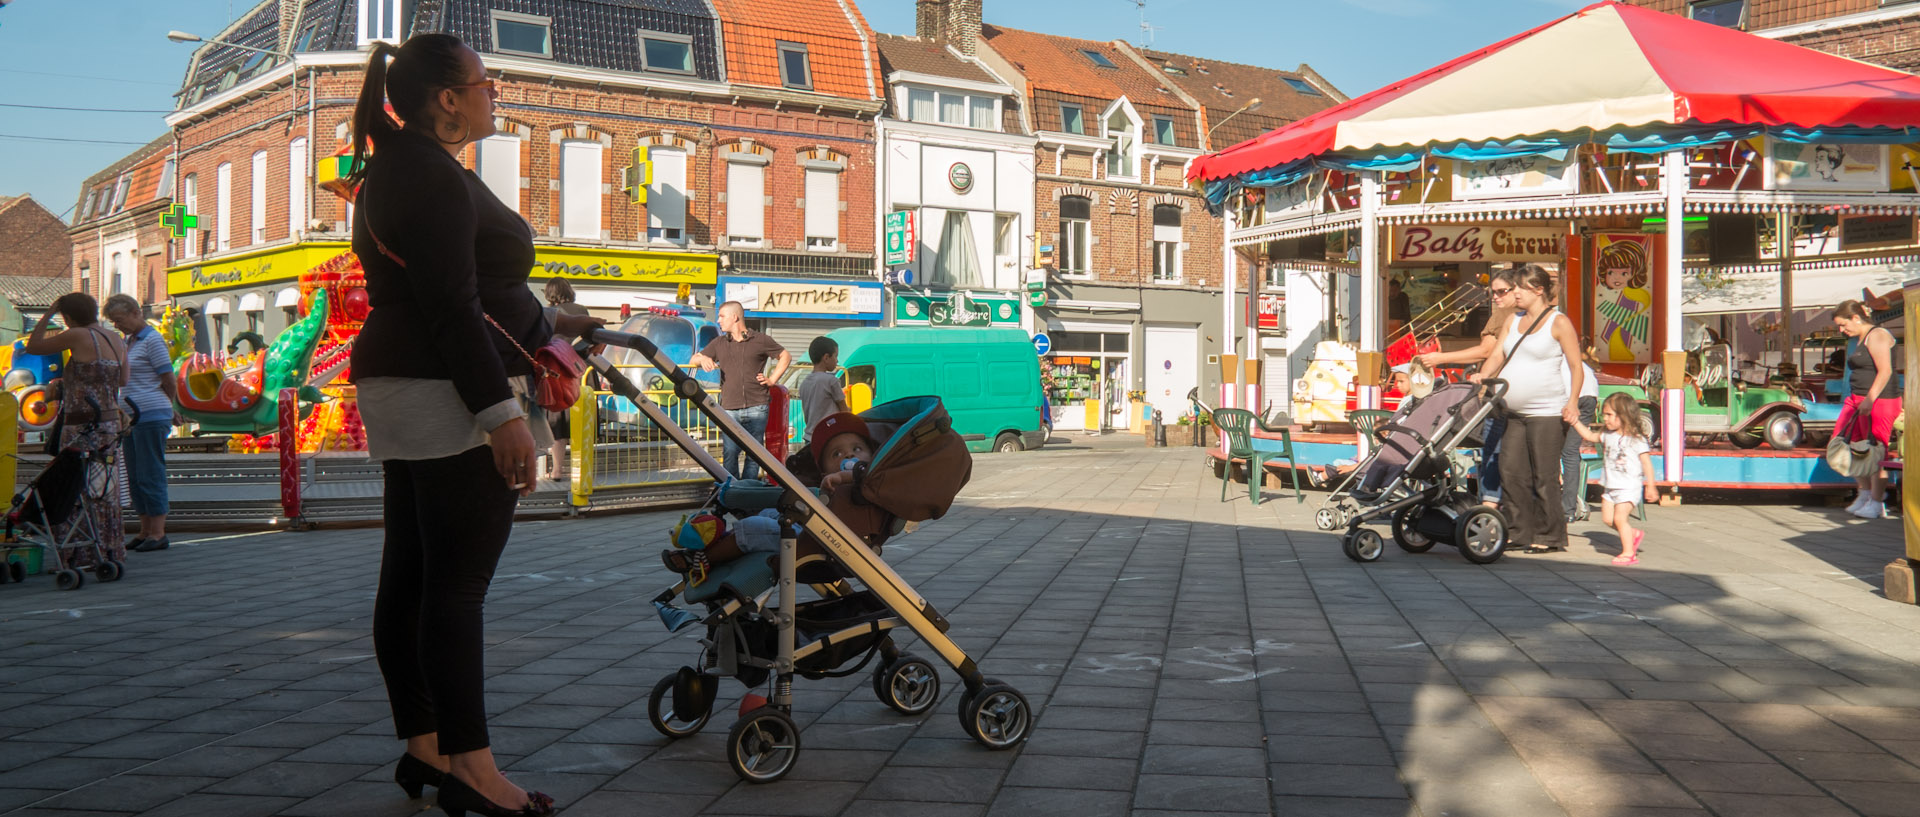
457, 798
414, 775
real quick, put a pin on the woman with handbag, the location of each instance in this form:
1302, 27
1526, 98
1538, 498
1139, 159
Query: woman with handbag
1536, 354
1866, 418
446, 388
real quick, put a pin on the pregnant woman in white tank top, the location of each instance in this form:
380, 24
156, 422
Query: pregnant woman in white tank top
1533, 355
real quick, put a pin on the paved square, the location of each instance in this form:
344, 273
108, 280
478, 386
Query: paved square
1189, 656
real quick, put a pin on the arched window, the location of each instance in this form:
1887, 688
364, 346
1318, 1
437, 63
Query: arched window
1166, 243
1076, 234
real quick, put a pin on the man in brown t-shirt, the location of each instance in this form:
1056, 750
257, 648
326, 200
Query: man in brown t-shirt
741, 355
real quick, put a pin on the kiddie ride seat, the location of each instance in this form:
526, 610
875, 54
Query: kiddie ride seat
758, 630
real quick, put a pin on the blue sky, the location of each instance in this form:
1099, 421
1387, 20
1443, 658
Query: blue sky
114, 54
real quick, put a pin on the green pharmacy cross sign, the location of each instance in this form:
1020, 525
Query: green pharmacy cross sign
177, 220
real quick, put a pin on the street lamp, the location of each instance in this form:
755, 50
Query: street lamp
184, 37
1252, 105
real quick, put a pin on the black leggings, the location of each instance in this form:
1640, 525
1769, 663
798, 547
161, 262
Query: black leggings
447, 520
1530, 480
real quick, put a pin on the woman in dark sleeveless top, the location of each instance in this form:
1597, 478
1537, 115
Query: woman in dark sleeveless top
1871, 407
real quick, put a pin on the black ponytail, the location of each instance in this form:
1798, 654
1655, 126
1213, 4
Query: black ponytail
370, 119
425, 64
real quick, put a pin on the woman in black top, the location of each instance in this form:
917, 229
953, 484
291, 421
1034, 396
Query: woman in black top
1871, 406
442, 392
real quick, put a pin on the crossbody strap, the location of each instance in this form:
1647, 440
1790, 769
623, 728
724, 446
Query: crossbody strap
1503, 362
402, 263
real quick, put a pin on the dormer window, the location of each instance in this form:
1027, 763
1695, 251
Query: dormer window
1302, 86
523, 34
1124, 130
666, 53
950, 108
1174, 70
1072, 120
1098, 58
381, 21
794, 71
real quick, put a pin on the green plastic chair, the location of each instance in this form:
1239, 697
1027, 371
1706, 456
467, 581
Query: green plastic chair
1237, 425
1369, 421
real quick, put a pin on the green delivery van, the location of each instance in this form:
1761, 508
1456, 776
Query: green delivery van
988, 379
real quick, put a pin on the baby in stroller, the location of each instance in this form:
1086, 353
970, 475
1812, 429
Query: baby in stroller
841, 450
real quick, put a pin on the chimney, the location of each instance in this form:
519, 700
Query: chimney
951, 22
930, 19
289, 17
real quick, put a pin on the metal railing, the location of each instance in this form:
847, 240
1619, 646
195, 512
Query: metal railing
615, 446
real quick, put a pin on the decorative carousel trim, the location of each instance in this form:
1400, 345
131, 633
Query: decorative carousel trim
1858, 204
1773, 267
1294, 228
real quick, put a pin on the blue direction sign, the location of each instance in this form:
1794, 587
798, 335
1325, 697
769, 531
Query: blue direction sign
1042, 344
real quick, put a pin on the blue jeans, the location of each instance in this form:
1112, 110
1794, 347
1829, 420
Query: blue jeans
1490, 457
146, 451
754, 419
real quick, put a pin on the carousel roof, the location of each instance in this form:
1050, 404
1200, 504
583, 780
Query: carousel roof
1605, 68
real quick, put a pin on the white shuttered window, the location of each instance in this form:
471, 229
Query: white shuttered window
297, 183
223, 207
498, 160
823, 209
667, 196
580, 198
746, 203
259, 185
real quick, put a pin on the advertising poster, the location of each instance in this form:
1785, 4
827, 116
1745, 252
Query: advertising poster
1623, 298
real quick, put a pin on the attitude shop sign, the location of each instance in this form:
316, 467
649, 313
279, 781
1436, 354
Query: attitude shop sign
1453, 243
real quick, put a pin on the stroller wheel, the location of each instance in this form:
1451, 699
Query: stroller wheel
1363, 545
108, 571
997, 716
1406, 535
69, 579
1481, 534
763, 745
1326, 519
907, 684
660, 711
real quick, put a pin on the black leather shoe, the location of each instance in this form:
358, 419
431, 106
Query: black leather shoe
458, 798
151, 545
414, 774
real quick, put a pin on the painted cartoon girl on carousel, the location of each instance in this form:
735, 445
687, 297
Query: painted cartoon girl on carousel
1623, 300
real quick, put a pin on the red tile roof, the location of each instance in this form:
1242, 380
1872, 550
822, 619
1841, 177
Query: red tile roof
1055, 63
841, 51
920, 56
144, 167
1225, 87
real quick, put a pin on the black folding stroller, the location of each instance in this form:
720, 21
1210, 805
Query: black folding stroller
759, 631
71, 487
1414, 478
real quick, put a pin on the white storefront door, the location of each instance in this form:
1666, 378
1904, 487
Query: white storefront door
1172, 368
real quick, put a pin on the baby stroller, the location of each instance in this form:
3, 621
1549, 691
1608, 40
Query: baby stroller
1415, 478
757, 629
72, 486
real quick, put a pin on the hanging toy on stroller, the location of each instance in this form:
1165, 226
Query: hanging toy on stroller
57, 510
758, 631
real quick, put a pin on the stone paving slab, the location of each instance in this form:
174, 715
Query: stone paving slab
1187, 656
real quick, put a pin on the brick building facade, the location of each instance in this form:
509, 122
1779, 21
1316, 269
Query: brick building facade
34, 269
1137, 280
1886, 32
584, 92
